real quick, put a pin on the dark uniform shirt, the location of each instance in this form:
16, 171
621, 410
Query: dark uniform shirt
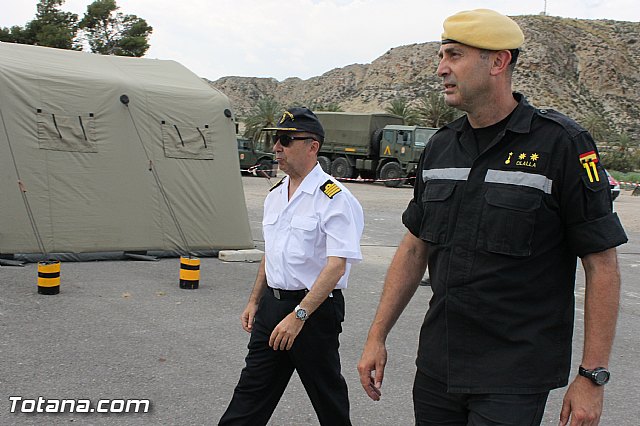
505, 227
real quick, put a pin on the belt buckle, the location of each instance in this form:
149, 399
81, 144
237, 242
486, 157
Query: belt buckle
276, 293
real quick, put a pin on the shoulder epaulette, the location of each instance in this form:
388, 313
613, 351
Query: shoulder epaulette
277, 184
567, 123
329, 188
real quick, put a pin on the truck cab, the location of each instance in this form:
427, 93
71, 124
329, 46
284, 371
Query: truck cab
400, 150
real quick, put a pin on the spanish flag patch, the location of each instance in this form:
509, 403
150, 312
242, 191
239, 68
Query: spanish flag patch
330, 188
589, 160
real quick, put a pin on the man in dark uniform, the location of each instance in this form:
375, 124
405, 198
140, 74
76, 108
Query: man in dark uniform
510, 196
312, 227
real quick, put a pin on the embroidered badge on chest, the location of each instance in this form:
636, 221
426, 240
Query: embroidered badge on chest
526, 160
330, 189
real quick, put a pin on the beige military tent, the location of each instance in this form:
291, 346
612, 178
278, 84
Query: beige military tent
114, 155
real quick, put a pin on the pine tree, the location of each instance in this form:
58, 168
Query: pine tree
110, 32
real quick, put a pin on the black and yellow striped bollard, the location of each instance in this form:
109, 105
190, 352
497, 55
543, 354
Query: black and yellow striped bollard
49, 277
189, 272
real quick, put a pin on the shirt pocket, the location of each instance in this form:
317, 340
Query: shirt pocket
508, 221
302, 236
436, 202
597, 197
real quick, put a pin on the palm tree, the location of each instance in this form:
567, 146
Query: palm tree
435, 112
596, 124
265, 114
400, 106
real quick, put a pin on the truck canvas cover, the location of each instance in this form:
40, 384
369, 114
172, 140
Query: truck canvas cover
105, 176
348, 128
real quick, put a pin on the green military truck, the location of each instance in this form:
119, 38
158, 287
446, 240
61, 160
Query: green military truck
374, 146
251, 153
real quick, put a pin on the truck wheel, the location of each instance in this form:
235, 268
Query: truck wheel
341, 168
265, 168
325, 163
391, 171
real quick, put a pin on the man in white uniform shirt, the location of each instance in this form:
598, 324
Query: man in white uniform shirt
312, 228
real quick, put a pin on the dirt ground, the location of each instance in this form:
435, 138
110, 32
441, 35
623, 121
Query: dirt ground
628, 209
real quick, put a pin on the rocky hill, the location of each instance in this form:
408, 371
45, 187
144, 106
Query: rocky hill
579, 67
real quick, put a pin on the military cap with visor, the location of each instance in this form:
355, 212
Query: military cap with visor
299, 119
483, 29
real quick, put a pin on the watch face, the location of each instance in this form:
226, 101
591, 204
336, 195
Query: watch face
601, 377
301, 314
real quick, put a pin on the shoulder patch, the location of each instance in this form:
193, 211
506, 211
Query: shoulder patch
567, 123
589, 161
277, 184
330, 188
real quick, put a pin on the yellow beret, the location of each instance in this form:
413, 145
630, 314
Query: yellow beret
484, 29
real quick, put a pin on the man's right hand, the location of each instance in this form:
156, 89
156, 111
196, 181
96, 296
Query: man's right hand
403, 276
248, 316
374, 359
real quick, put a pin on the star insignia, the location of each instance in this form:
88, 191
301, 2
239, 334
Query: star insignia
534, 157
522, 156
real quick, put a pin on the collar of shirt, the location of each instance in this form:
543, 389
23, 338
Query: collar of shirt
309, 185
520, 121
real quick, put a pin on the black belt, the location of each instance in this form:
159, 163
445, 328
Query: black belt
294, 294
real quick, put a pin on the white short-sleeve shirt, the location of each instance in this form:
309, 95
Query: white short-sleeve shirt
322, 219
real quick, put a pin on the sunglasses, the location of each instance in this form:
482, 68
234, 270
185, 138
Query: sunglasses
285, 140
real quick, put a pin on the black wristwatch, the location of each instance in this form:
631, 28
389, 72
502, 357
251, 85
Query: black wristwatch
600, 376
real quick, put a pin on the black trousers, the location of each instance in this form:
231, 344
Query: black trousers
314, 355
433, 405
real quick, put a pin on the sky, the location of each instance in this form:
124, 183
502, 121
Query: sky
303, 38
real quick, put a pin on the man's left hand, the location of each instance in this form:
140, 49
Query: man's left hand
583, 402
285, 333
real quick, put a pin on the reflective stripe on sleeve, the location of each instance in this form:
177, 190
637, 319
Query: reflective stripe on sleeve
450, 174
520, 178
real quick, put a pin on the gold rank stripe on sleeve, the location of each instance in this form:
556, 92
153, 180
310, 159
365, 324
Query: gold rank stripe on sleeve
589, 160
330, 188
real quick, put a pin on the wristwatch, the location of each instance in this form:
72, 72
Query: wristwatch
301, 313
600, 376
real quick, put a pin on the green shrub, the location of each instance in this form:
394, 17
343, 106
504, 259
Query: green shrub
622, 161
625, 177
